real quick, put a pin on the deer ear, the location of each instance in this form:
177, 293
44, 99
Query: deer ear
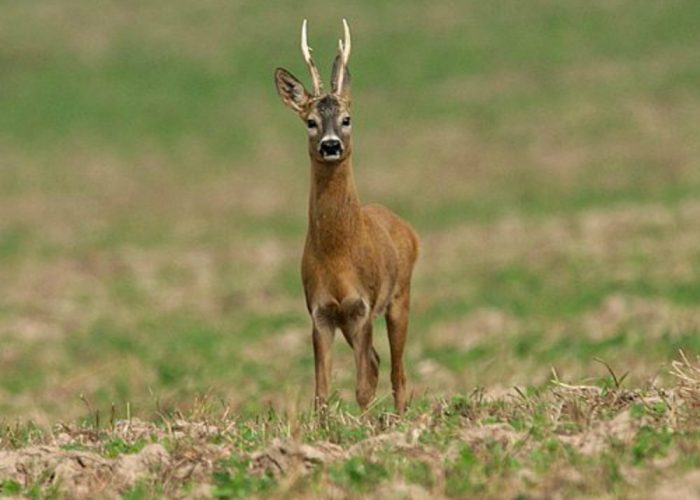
345, 91
291, 90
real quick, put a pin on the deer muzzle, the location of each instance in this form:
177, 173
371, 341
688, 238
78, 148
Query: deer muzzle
331, 148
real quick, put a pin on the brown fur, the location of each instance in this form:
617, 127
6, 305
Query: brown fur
357, 261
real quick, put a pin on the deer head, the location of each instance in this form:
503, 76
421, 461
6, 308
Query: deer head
326, 114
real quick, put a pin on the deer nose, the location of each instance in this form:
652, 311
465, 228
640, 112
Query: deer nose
330, 147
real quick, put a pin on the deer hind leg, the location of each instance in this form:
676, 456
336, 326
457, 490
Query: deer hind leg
357, 330
355, 311
397, 328
367, 386
367, 364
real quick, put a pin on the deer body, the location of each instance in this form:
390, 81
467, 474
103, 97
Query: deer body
358, 260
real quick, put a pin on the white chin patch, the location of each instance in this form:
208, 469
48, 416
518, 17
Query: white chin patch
332, 157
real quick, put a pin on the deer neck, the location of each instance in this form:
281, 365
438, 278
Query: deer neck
334, 208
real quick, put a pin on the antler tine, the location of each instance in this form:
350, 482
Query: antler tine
344, 51
306, 50
346, 44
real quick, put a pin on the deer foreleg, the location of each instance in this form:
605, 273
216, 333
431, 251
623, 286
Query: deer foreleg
397, 328
323, 341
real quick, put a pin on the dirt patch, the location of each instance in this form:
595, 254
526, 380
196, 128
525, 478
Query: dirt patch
438, 375
647, 318
501, 433
287, 344
473, 328
80, 474
593, 441
288, 457
605, 235
686, 486
399, 490
30, 329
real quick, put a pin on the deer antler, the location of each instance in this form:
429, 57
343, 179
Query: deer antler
344, 51
306, 50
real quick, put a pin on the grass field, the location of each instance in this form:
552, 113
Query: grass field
153, 196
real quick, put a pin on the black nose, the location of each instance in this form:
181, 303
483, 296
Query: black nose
331, 147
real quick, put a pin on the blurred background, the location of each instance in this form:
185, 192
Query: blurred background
153, 194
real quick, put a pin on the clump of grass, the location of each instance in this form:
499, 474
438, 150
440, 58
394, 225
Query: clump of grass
688, 376
232, 479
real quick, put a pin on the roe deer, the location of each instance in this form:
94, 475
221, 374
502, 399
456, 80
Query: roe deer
357, 260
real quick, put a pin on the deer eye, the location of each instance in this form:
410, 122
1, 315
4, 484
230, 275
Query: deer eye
346, 121
311, 123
